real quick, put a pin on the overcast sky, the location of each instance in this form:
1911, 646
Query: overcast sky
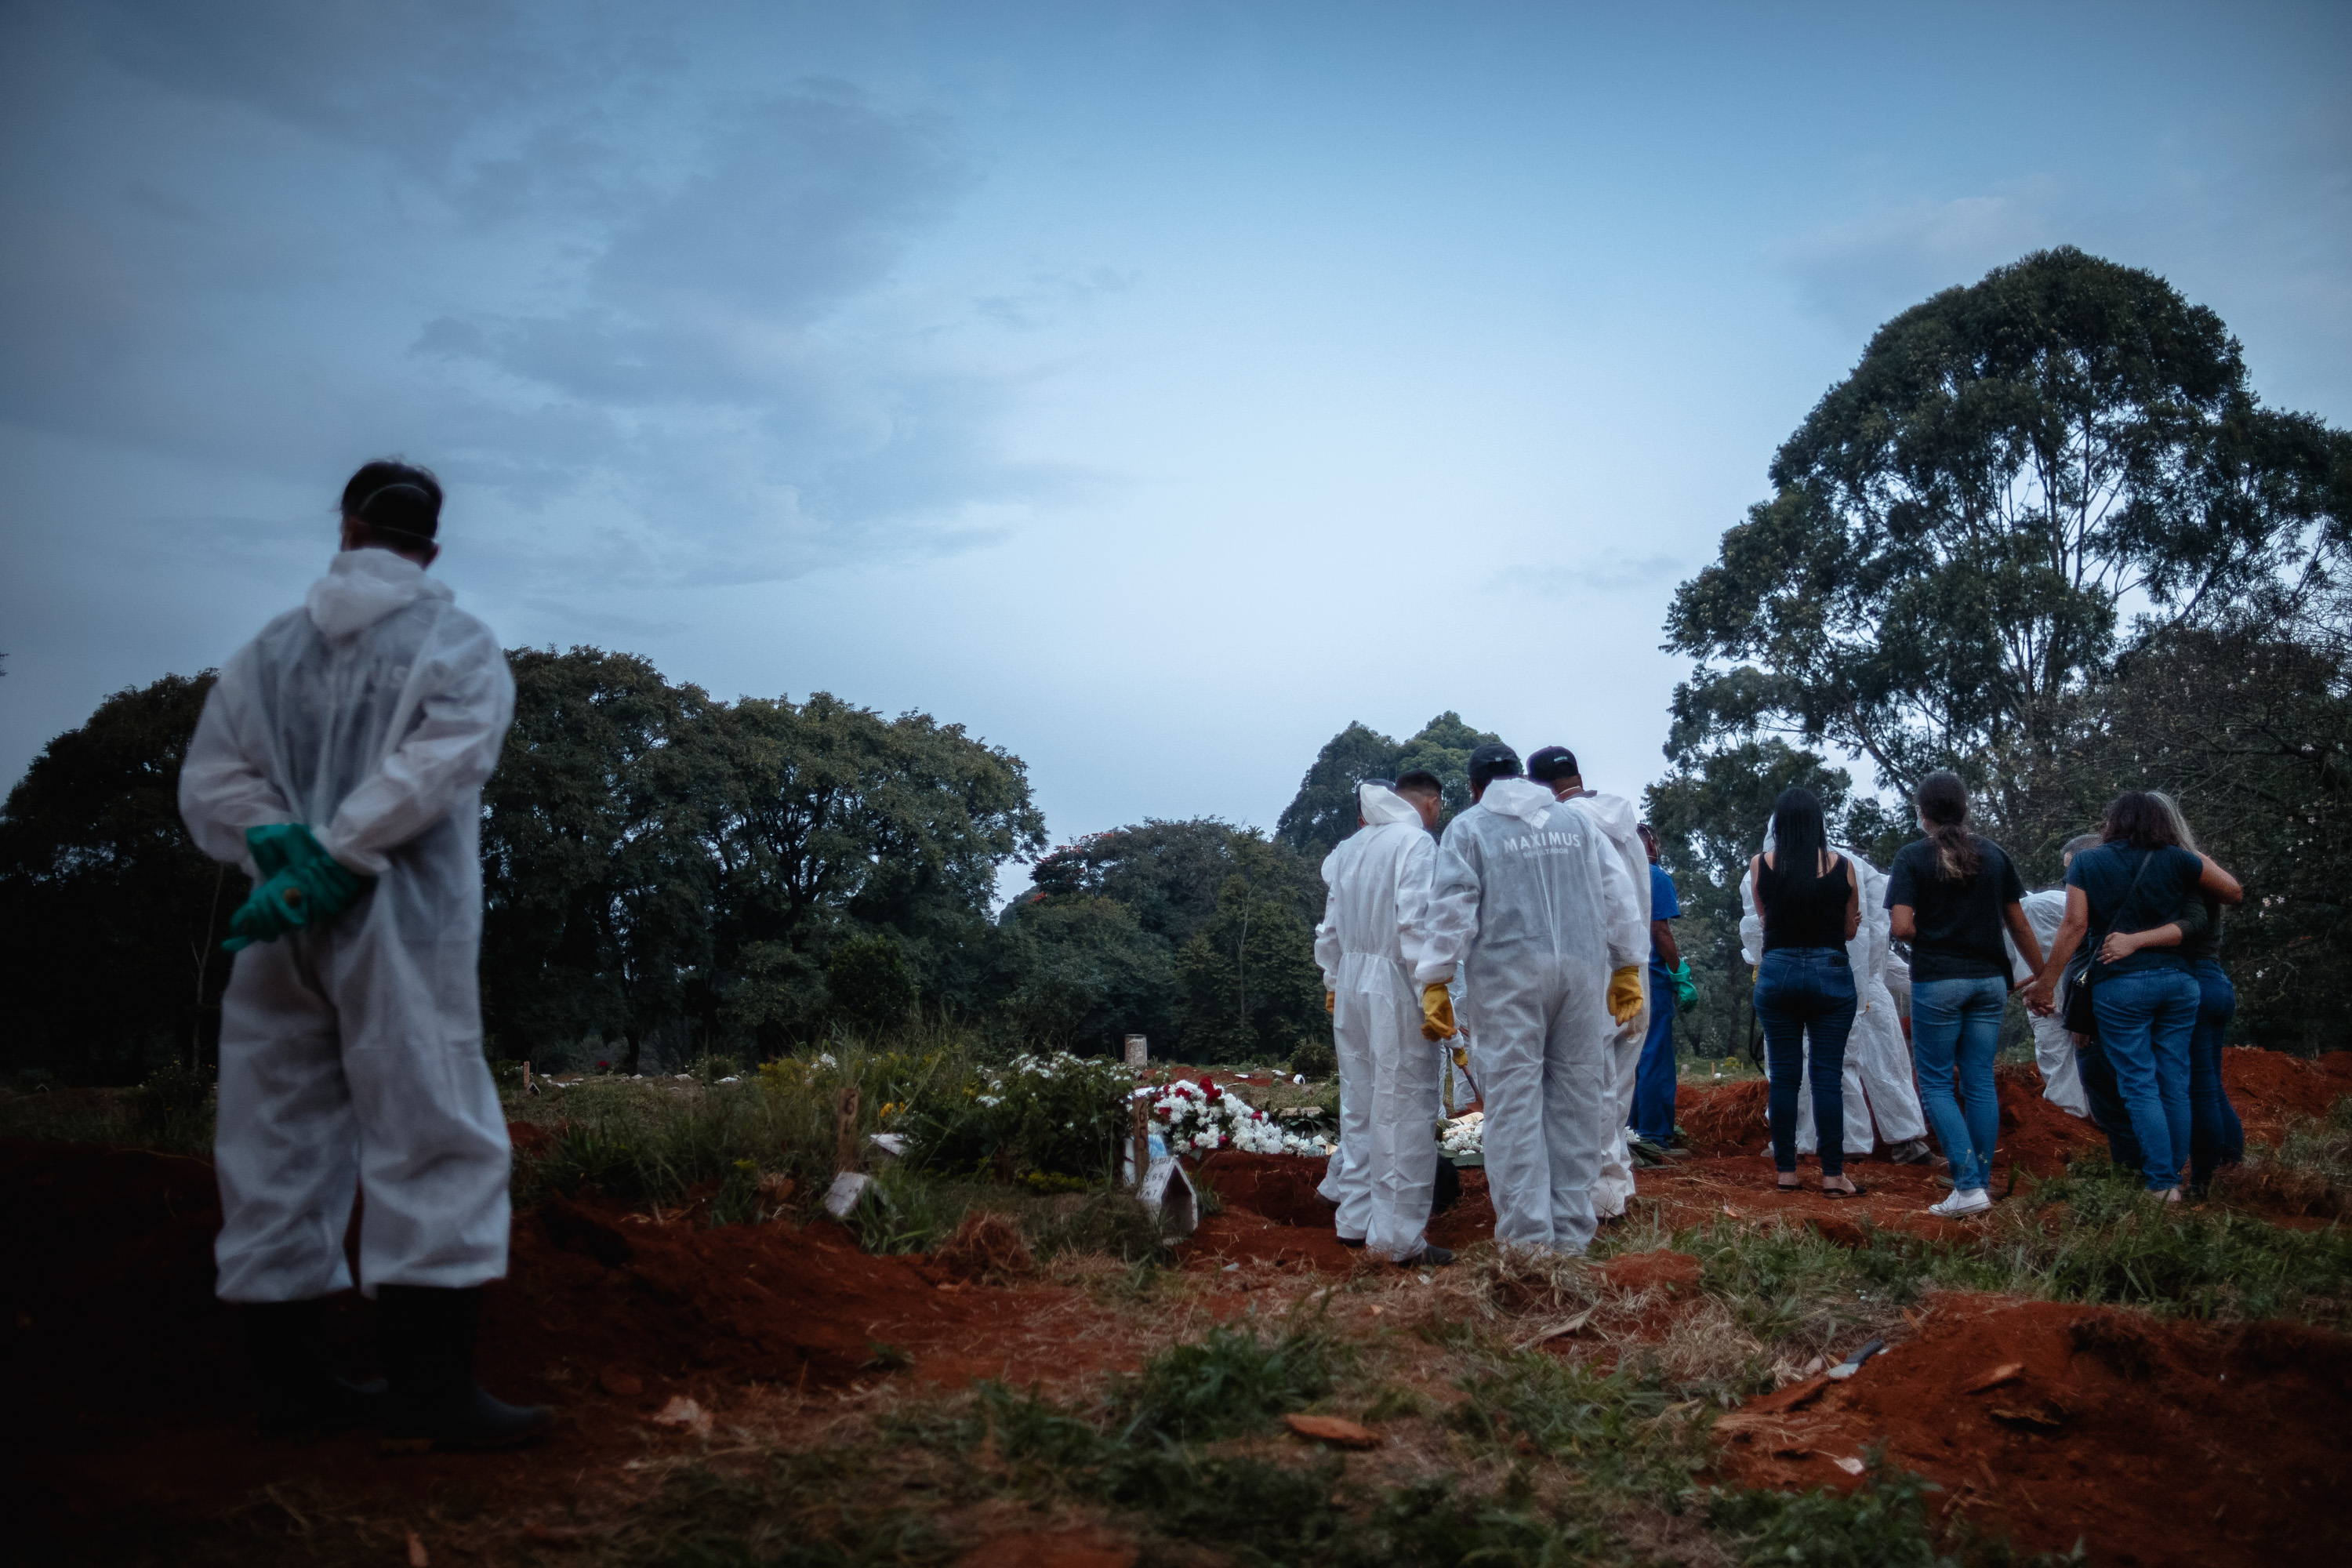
1151, 388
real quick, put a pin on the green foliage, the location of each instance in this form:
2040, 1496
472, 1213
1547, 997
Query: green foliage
1955, 524
657, 864
1232, 1381
1060, 1114
111, 966
1323, 812
868, 978
1619, 1431
655, 1143
1882, 1523
1213, 955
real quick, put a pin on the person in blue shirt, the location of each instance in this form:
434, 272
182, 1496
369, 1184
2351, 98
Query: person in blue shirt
1670, 984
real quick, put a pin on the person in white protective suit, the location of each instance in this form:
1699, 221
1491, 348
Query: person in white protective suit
1881, 1099
1375, 925
1536, 909
2054, 1044
1615, 819
340, 761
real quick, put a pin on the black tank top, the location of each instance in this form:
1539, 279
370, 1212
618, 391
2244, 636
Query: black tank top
1809, 917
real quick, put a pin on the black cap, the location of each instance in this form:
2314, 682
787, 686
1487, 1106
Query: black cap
1491, 761
1553, 763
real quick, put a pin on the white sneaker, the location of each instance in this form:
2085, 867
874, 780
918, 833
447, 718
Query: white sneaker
1963, 1201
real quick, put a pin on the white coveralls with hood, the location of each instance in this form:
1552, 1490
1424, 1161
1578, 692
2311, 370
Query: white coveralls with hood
1375, 925
1613, 1189
2054, 1044
1536, 909
1881, 1099
350, 1053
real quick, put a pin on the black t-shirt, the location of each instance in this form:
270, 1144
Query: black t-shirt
1958, 922
2105, 876
1813, 918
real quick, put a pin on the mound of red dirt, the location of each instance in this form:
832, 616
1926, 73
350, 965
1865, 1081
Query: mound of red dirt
2156, 1442
2271, 1089
125, 1378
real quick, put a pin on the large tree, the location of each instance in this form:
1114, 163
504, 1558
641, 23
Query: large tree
1323, 812
1958, 528
111, 960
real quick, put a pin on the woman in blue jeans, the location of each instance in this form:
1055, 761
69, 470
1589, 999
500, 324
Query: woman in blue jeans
1949, 895
1811, 907
2216, 1136
2126, 894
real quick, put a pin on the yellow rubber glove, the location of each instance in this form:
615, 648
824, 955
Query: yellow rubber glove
1331, 1002
1436, 1012
1625, 993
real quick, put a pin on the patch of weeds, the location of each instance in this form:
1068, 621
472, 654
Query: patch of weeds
1205, 1191
2081, 1238
1247, 1505
1103, 1220
1783, 1281
2310, 1171
1622, 1432
1438, 1521
1396, 1404
1882, 1523
793, 1516
1231, 1381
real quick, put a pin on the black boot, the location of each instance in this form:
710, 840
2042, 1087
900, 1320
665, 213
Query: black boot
295, 1390
428, 1341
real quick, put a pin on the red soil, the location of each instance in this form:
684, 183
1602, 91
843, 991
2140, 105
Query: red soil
2269, 1089
124, 1383
2159, 1443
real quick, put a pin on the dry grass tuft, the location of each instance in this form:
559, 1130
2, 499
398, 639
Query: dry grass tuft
986, 1246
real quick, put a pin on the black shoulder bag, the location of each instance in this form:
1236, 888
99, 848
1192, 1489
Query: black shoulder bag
2079, 1018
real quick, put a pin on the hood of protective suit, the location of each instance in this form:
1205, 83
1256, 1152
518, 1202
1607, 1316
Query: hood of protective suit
362, 586
1380, 805
1523, 798
1614, 813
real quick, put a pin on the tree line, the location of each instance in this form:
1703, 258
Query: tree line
2044, 533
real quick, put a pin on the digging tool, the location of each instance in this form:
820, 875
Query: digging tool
1853, 1363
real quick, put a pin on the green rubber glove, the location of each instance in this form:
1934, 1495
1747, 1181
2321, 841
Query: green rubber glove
1685, 988
301, 885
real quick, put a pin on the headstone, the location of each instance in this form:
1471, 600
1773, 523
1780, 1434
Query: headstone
1168, 1193
847, 1190
1138, 1051
886, 1148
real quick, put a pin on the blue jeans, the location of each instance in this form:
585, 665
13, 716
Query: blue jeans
2147, 1019
1801, 990
2216, 1136
1653, 1081
2107, 1107
1955, 1035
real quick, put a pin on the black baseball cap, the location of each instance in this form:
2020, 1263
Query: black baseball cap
1493, 761
1552, 765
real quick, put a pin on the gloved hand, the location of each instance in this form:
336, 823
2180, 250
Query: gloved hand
1331, 1002
1436, 1012
1624, 993
1685, 988
301, 885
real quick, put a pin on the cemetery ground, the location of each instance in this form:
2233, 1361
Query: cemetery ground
996, 1364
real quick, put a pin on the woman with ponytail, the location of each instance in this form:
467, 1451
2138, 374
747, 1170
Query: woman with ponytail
1949, 895
1811, 906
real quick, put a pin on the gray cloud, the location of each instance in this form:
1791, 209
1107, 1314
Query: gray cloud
1860, 273
493, 239
1610, 571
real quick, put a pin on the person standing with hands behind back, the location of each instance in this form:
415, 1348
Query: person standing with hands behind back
339, 760
1951, 895
1811, 907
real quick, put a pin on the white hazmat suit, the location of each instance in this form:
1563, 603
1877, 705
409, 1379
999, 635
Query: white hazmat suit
1375, 925
350, 1053
1881, 1100
1614, 816
1537, 911
2053, 1045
